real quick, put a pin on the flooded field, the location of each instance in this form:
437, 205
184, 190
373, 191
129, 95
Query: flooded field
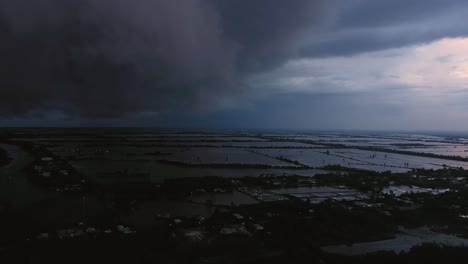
311, 194
223, 156
159, 171
407, 239
362, 159
439, 145
165, 154
209, 186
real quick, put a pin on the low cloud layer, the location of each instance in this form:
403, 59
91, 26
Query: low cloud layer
414, 87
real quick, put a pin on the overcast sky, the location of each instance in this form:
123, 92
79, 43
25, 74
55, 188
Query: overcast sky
297, 64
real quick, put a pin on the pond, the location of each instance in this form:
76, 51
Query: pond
403, 242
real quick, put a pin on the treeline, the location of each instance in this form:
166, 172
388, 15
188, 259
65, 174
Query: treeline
419, 154
229, 165
380, 149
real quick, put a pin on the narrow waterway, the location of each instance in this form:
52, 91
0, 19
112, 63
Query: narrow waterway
16, 191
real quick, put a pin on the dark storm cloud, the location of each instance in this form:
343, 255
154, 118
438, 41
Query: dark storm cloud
369, 25
121, 58
269, 32
110, 58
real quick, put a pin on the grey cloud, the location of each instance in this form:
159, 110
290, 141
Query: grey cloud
445, 59
382, 13
368, 25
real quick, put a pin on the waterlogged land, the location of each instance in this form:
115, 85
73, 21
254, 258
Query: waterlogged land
176, 154
251, 197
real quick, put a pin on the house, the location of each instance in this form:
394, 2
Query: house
46, 174
47, 159
238, 216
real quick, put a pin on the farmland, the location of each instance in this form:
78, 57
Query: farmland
275, 190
